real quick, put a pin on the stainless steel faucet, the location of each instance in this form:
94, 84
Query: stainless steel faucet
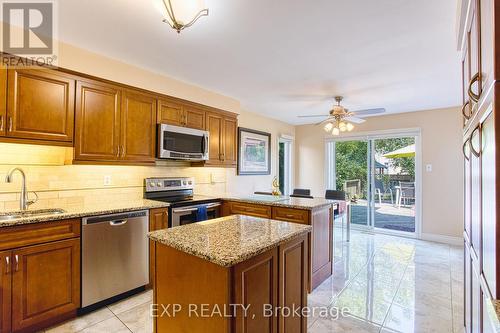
24, 203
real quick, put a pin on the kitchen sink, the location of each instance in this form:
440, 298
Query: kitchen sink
30, 213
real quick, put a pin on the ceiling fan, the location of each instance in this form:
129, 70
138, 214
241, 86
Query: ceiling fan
340, 119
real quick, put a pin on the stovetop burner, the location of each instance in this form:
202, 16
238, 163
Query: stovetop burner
176, 191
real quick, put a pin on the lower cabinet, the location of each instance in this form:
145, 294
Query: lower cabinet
158, 219
40, 283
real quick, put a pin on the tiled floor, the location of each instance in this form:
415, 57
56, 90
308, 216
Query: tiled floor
383, 283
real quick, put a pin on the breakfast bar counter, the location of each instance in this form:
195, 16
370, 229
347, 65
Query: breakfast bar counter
231, 272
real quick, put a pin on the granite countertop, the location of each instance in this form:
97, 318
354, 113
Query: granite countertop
107, 206
493, 312
227, 241
283, 201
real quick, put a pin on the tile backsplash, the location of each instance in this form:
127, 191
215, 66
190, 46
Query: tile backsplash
60, 184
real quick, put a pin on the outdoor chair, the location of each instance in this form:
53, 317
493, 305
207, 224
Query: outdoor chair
407, 192
380, 191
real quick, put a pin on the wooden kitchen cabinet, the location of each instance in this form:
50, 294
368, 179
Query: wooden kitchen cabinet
97, 123
256, 284
170, 113
291, 215
114, 125
5, 292
223, 145
241, 208
3, 99
180, 114
158, 219
45, 283
138, 127
40, 105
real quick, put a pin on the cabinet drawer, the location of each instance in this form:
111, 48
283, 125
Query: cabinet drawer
291, 215
249, 209
37, 233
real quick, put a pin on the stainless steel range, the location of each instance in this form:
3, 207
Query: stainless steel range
185, 207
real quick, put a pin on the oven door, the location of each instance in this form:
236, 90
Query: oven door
187, 215
181, 143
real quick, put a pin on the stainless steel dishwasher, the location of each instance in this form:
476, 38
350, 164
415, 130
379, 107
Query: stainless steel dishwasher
114, 255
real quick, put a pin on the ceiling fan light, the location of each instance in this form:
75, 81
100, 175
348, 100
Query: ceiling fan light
180, 14
328, 127
350, 127
342, 126
335, 131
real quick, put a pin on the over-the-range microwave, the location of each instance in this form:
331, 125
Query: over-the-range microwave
181, 143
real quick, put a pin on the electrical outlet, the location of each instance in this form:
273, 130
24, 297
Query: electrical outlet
107, 180
428, 168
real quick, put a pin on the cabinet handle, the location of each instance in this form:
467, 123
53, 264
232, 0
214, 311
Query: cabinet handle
117, 151
463, 149
10, 124
289, 215
466, 116
17, 262
1, 123
123, 151
474, 97
471, 145
7, 265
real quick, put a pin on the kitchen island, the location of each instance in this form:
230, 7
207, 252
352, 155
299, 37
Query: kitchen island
316, 212
231, 274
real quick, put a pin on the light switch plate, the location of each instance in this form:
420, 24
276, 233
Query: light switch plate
107, 181
428, 167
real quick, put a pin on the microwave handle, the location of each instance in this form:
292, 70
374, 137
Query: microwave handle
205, 144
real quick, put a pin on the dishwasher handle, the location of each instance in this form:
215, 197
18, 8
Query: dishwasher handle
118, 223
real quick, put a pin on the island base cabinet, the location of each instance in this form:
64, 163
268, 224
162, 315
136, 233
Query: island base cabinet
212, 298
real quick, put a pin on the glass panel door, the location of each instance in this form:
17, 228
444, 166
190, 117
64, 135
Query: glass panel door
394, 187
351, 176
285, 165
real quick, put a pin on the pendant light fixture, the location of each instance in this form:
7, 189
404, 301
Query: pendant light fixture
181, 14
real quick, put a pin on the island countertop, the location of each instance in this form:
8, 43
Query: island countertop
227, 241
282, 201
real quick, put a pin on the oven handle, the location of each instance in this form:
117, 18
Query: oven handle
187, 210
205, 144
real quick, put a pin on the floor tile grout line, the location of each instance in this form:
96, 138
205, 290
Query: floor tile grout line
396, 293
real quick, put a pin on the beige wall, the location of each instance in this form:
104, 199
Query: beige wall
59, 184
441, 134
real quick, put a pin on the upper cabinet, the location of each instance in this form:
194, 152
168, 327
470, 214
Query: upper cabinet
3, 100
180, 114
40, 105
138, 127
114, 125
223, 139
97, 122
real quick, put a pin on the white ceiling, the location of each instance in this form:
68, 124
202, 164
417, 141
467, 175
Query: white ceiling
285, 58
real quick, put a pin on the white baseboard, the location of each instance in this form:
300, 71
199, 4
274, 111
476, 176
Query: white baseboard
442, 239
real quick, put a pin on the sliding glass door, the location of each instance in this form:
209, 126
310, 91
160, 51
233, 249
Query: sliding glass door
378, 174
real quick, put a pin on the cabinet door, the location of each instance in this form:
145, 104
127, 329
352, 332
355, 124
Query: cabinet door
45, 283
240, 208
3, 99
474, 49
256, 285
5, 291
488, 204
487, 30
170, 113
230, 139
466, 104
215, 128
194, 118
97, 122
467, 188
476, 301
475, 145
467, 289
293, 283
322, 246
158, 219
40, 105
138, 127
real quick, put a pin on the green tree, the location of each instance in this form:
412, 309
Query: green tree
407, 164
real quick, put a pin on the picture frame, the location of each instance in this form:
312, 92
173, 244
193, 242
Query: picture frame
254, 152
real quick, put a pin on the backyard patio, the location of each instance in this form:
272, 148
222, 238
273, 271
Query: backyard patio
387, 216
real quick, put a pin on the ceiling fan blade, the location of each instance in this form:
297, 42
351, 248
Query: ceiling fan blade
369, 112
314, 116
355, 120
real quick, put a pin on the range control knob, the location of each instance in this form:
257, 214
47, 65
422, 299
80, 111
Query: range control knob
159, 184
152, 184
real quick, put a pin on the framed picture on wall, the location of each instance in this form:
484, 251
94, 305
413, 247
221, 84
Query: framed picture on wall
254, 152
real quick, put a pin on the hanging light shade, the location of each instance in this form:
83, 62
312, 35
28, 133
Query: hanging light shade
336, 131
350, 127
328, 127
181, 14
